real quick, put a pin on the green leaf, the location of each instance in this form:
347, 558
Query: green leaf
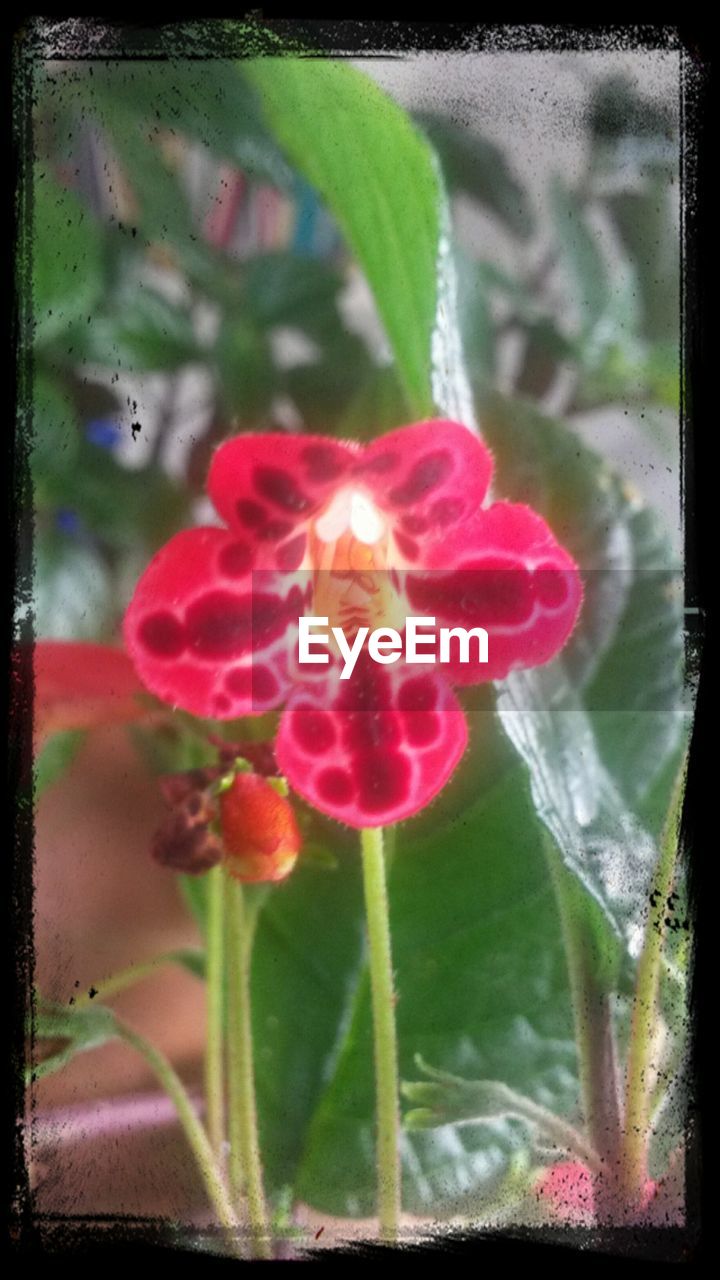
245, 370
545, 349
475, 317
56, 755
192, 959
482, 990
584, 263
177, 745
599, 838
140, 331
619, 114
596, 726
625, 655
285, 289
542, 463
69, 1032
161, 213
326, 390
305, 965
645, 224
378, 405
378, 178
194, 890
636, 697
66, 260
475, 166
448, 1099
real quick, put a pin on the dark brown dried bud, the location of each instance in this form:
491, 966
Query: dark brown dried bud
185, 844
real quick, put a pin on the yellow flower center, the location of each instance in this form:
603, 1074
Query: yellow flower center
348, 547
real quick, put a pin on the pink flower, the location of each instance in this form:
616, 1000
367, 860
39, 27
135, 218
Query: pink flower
360, 535
569, 1190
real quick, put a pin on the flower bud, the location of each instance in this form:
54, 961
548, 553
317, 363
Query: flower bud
260, 835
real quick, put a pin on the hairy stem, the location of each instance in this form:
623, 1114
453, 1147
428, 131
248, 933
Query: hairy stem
214, 1064
594, 1033
194, 1132
638, 1075
386, 1058
245, 1166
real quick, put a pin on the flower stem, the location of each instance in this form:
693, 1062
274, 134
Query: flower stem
214, 1066
125, 978
594, 1034
638, 1076
245, 1166
386, 1058
194, 1132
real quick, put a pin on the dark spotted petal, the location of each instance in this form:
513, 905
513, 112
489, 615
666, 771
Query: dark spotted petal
374, 749
503, 571
205, 638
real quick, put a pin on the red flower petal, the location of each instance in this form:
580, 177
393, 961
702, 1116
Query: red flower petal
78, 685
504, 571
268, 486
201, 637
374, 749
431, 476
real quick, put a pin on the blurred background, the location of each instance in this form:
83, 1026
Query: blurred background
188, 285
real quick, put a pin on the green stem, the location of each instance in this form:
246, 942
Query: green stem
194, 1132
638, 1076
125, 978
214, 1066
594, 1033
245, 1166
386, 1057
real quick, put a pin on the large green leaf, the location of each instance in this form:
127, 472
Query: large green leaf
600, 839
378, 177
305, 967
482, 991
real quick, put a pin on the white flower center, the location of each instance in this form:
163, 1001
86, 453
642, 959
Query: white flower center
353, 511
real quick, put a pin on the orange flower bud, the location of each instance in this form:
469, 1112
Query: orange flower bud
260, 834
